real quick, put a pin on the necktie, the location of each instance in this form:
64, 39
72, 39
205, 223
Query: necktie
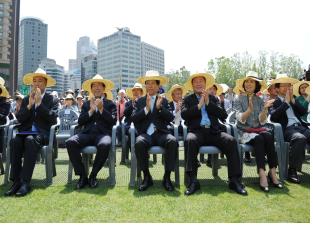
150, 129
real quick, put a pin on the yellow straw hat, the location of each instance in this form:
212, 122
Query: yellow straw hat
4, 92
153, 75
251, 75
137, 85
86, 86
219, 89
297, 85
2, 81
283, 78
109, 95
209, 79
225, 87
170, 92
28, 78
238, 89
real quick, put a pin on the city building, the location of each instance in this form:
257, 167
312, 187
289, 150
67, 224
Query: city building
88, 67
9, 24
152, 58
32, 46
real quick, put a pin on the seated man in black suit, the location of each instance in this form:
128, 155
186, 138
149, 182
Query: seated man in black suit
133, 94
288, 112
201, 116
152, 117
97, 117
37, 114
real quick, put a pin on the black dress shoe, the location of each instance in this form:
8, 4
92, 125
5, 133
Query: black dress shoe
265, 189
293, 176
237, 187
93, 182
147, 182
23, 190
82, 182
167, 184
193, 187
13, 189
279, 185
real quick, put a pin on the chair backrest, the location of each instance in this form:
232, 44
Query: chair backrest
231, 118
67, 118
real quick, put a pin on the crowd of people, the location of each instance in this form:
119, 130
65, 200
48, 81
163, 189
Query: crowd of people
201, 104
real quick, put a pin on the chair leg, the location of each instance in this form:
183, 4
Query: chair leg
215, 165
112, 168
86, 163
133, 168
1, 165
70, 172
177, 171
202, 158
154, 158
48, 163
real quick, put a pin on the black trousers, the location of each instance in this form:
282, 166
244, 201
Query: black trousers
263, 144
225, 142
165, 140
27, 146
299, 137
75, 143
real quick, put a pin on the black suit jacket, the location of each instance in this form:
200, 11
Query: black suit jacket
45, 115
160, 118
192, 115
103, 122
4, 110
279, 115
128, 112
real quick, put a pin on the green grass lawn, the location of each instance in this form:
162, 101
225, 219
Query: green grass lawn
213, 203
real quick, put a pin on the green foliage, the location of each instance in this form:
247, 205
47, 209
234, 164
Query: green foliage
229, 69
177, 77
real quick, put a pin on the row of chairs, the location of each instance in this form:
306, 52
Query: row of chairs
67, 126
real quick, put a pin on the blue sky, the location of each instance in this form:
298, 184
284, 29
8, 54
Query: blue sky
190, 32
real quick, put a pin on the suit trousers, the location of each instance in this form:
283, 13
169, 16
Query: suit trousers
299, 137
75, 143
27, 146
205, 137
165, 140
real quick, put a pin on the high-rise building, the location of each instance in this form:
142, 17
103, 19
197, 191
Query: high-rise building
122, 58
88, 67
56, 71
152, 58
72, 64
9, 20
84, 48
119, 58
32, 46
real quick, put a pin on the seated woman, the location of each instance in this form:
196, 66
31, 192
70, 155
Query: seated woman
302, 97
251, 114
69, 103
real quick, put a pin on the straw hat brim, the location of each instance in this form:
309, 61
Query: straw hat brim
2, 81
129, 91
297, 85
219, 89
109, 95
209, 80
238, 89
170, 92
4, 92
241, 81
86, 86
28, 79
284, 80
163, 80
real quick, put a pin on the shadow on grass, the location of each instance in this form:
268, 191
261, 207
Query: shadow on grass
102, 189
